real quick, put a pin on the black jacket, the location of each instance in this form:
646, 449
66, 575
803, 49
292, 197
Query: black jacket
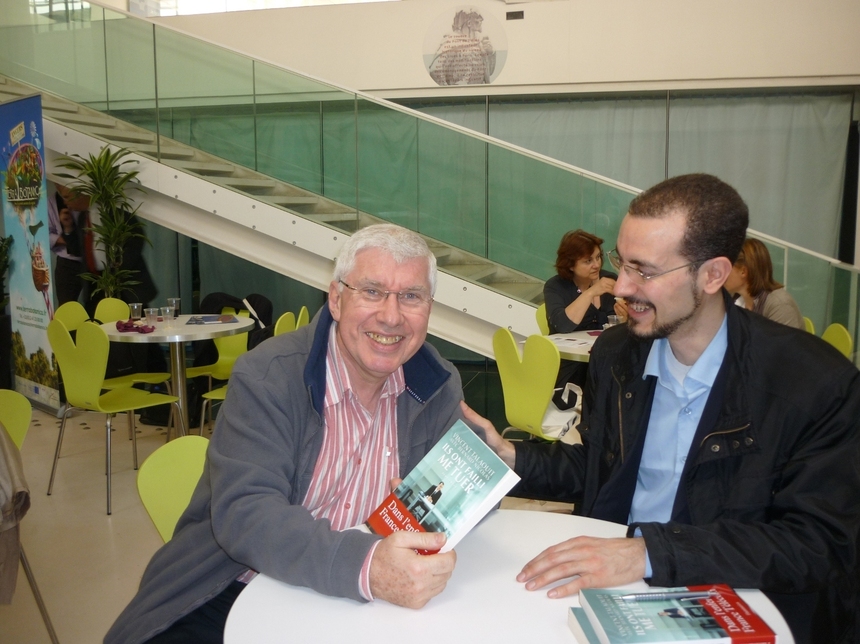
770, 497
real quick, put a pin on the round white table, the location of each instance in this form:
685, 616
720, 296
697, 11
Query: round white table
483, 602
575, 346
176, 335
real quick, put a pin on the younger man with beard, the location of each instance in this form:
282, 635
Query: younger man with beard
728, 443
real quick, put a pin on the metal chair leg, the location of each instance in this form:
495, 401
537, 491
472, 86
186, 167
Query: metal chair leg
59, 445
107, 459
38, 596
131, 424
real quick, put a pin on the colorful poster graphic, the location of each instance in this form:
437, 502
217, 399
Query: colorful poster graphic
465, 47
25, 214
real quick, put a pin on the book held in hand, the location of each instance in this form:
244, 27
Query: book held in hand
211, 319
450, 490
712, 613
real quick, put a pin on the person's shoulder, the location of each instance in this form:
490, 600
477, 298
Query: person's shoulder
610, 274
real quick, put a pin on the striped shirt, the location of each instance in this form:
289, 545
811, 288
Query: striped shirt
358, 458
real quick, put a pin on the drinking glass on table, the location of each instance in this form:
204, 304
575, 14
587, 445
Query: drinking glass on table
135, 309
167, 315
151, 316
174, 302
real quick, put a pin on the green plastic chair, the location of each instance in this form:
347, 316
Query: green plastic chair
838, 336
809, 325
528, 384
72, 315
285, 323
15, 415
111, 309
210, 398
229, 349
167, 479
303, 317
83, 364
542, 322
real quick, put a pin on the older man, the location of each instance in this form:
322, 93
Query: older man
316, 424
727, 442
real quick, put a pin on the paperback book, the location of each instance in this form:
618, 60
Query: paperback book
211, 319
688, 614
450, 490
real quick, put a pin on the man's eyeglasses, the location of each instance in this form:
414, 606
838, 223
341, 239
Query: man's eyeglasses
635, 274
374, 296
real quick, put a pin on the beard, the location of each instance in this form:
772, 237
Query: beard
665, 329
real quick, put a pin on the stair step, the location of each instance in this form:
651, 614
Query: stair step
473, 272
129, 136
167, 152
288, 201
73, 116
206, 168
246, 184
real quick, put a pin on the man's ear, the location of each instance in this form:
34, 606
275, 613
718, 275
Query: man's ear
334, 300
714, 274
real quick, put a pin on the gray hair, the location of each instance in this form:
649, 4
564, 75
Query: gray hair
401, 243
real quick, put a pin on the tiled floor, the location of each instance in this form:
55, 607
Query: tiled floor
88, 564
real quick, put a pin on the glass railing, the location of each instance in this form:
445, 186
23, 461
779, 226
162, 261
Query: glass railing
467, 190
464, 189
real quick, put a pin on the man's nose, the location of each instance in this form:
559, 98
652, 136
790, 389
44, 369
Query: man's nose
390, 311
624, 286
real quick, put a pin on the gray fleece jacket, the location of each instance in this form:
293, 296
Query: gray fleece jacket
246, 511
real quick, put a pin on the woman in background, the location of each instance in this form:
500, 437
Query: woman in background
751, 282
579, 298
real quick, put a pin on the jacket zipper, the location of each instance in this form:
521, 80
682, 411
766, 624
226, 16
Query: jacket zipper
620, 418
726, 431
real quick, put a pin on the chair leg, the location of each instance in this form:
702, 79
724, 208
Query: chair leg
133, 436
38, 597
206, 402
59, 445
183, 430
107, 459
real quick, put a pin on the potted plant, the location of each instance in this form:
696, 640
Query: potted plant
106, 181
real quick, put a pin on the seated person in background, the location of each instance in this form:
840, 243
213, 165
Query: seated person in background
751, 282
579, 298
316, 424
728, 444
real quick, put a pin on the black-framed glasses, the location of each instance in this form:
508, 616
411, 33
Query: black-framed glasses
371, 295
635, 274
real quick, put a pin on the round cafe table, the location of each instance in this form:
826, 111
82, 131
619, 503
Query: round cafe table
176, 335
483, 602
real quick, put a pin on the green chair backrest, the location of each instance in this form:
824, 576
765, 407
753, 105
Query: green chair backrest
838, 336
111, 309
303, 317
229, 349
83, 364
542, 322
527, 382
15, 414
72, 315
809, 325
285, 323
166, 480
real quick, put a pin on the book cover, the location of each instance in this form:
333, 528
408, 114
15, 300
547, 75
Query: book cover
712, 613
582, 630
211, 319
450, 490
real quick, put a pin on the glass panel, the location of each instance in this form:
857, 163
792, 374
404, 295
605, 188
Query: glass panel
339, 151
452, 187
388, 164
63, 54
130, 49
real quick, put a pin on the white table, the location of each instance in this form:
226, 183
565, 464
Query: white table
483, 602
176, 335
575, 346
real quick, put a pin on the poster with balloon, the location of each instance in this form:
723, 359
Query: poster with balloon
25, 214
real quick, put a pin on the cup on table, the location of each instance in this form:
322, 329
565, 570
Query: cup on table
611, 320
135, 309
174, 302
167, 314
151, 316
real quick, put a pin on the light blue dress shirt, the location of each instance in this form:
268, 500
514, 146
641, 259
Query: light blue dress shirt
675, 415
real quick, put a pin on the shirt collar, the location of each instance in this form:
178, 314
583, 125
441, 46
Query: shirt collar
704, 370
394, 384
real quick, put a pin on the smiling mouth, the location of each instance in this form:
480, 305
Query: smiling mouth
384, 339
637, 307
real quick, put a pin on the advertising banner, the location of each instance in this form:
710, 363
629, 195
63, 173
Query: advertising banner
25, 213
